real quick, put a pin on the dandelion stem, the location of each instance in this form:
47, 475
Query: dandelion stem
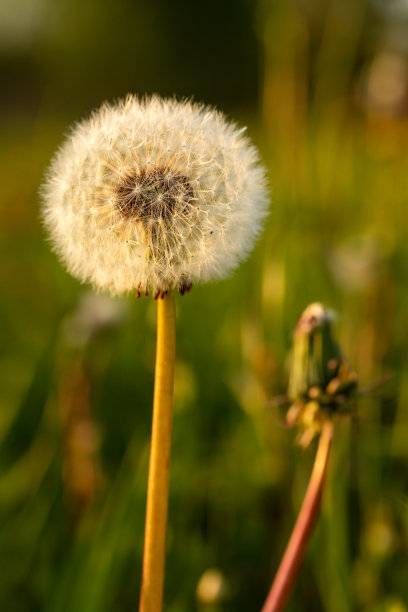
157, 491
293, 556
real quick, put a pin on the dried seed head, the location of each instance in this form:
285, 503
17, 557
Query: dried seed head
154, 194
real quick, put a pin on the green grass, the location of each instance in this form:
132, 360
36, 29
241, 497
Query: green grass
337, 233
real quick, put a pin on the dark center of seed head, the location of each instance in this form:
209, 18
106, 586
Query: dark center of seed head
154, 194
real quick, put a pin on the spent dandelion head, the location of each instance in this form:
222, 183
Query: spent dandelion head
321, 381
154, 194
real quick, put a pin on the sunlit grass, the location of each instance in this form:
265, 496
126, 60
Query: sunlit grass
337, 233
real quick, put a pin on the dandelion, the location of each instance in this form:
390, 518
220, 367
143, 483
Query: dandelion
321, 381
212, 588
153, 195
321, 385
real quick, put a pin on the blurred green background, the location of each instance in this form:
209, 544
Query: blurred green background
323, 88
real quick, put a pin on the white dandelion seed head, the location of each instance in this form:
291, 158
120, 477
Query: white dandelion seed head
154, 194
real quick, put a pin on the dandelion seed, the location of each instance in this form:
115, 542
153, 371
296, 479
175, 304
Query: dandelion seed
154, 194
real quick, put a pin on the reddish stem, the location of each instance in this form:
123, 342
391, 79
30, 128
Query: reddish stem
292, 559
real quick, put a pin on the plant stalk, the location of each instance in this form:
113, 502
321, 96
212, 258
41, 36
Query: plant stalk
294, 553
151, 595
